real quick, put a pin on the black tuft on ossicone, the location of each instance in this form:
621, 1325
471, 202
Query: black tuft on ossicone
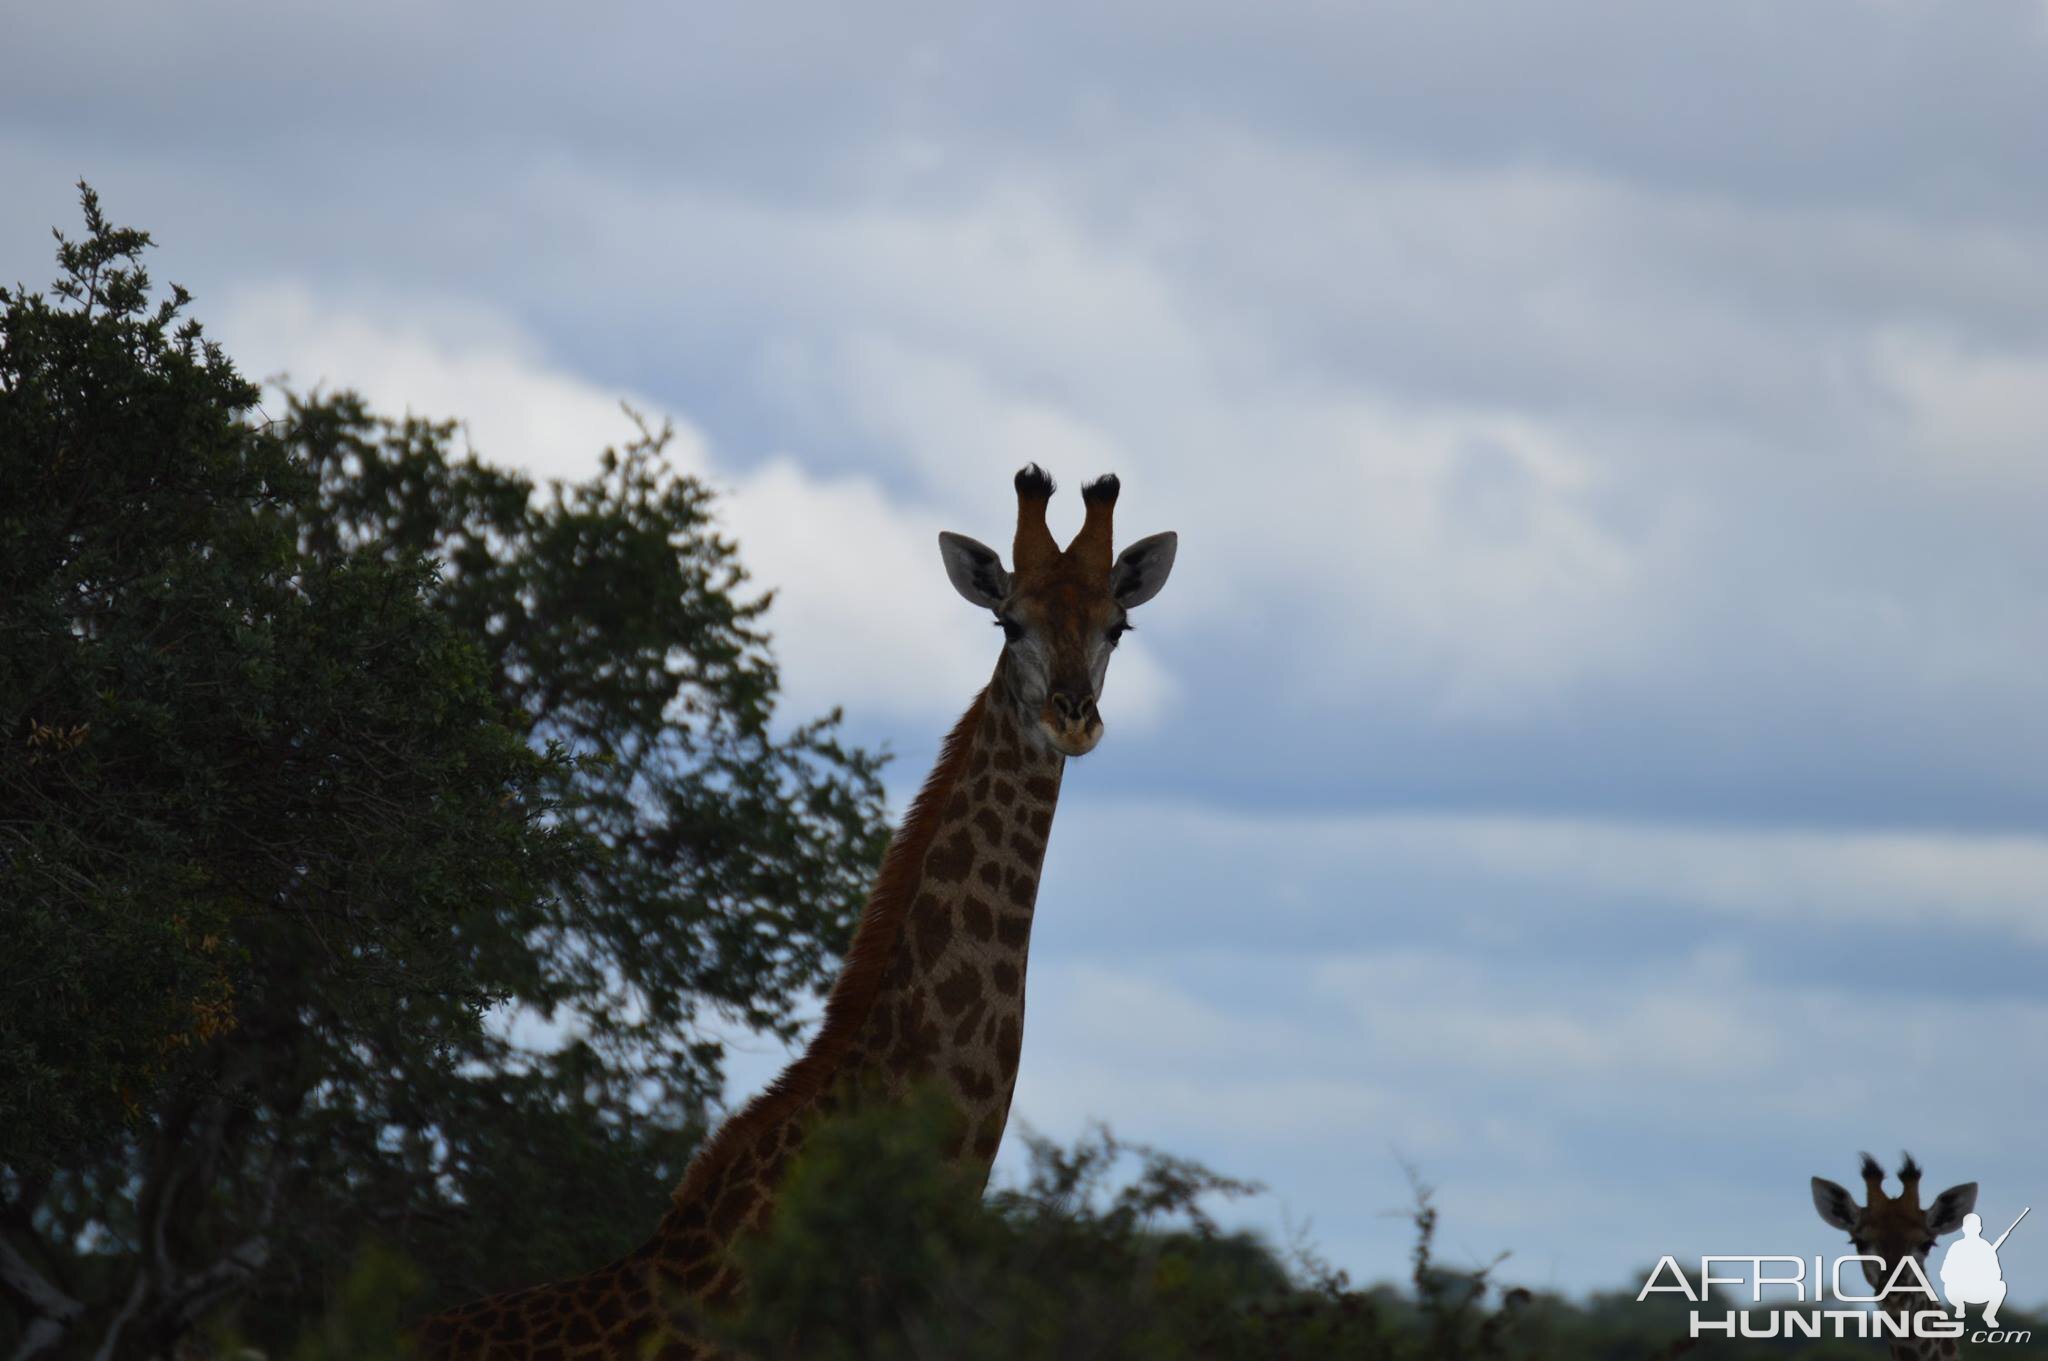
1035, 481
1908, 1169
1871, 1168
1102, 489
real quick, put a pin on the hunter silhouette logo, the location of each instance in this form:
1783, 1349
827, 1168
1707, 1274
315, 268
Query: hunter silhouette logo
1969, 1271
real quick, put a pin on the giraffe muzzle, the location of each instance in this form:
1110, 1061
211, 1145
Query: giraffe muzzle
1071, 722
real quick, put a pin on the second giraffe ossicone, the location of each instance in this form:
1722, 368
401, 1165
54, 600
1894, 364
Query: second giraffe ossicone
932, 990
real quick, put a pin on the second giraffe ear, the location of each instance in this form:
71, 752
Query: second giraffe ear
1141, 569
1834, 1204
1945, 1215
975, 571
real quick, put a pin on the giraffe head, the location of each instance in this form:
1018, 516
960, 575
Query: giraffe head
1061, 611
1892, 1227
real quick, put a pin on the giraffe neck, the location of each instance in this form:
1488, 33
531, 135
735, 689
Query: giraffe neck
1910, 1348
950, 1007
932, 989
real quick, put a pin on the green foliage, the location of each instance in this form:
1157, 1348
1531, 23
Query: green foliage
317, 741
366, 1321
611, 616
878, 1251
211, 747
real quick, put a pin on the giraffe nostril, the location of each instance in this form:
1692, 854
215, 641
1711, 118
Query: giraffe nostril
1072, 706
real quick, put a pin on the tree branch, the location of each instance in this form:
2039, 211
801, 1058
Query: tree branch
137, 1293
200, 1291
193, 1295
51, 1311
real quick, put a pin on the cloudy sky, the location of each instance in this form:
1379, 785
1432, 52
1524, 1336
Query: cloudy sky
1591, 747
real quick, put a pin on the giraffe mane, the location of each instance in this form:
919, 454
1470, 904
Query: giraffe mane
860, 979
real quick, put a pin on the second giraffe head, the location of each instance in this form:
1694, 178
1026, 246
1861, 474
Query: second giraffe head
1061, 612
1889, 1228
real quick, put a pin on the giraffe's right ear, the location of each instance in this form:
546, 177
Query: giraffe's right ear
1140, 570
975, 571
1945, 1215
1834, 1204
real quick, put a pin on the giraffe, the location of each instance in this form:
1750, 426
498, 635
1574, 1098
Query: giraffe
1892, 1228
931, 992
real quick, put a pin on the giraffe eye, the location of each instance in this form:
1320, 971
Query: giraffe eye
1116, 632
1012, 630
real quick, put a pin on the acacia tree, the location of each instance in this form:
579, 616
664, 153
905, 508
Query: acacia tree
317, 742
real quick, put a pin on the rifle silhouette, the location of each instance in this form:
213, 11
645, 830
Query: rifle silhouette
2008, 1233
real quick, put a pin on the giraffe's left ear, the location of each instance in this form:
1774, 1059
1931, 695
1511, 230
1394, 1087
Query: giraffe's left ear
1141, 569
1835, 1204
975, 571
1945, 1215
